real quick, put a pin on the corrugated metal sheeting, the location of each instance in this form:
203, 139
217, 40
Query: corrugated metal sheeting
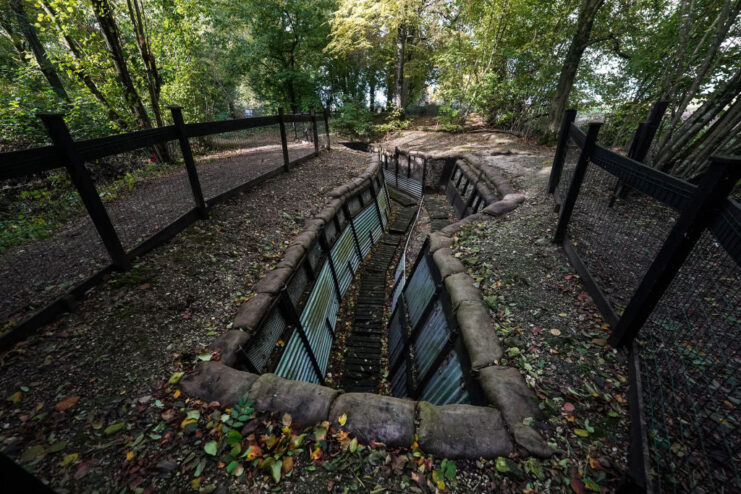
319, 315
409, 185
421, 340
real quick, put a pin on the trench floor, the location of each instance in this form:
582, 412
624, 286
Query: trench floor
362, 372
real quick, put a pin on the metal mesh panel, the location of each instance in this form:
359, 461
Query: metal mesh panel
353, 205
297, 285
419, 290
447, 384
237, 157
431, 339
383, 205
33, 272
618, 243
331, 232
140, 207
689, 352
571, 156
265, 340
300, 140
314, 256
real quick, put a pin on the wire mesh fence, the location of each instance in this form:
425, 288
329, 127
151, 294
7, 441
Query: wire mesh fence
238, 157
661, 257
64, 250
69, 211
690, 362
142, 204
605, 228
300, 138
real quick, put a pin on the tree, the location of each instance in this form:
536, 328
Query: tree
579, 43
109, 29
15, 9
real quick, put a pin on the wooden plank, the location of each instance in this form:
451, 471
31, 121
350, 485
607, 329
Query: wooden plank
219, 126
92, 149
16, 164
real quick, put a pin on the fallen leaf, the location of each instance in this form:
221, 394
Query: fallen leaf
15, 397
287, 464
568, 407
556, 332
176, 376
113, 428
67, 403
210, 448
70, 458
577, 485
581, 432
286, 419
129, 456
342, 419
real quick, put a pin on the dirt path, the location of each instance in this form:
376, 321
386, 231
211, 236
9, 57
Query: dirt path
126, 339
35, 273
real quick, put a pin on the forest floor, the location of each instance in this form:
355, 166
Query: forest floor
113, 418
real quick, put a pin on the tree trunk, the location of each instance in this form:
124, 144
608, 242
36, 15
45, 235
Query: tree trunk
154, 81
32, 38
104, 14
401, 41
372, 94
580, 41
713, 141
720, 99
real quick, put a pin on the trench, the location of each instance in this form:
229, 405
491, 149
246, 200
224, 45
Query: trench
364, 348
364, 353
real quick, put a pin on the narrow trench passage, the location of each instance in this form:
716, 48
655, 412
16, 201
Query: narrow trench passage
362, 362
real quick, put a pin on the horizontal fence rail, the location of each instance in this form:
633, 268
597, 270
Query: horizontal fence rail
661, 258
108, 233
305, 315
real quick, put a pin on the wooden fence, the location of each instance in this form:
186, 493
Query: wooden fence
661, 258
66, 153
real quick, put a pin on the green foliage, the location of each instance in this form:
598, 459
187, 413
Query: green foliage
394, 121
355, 120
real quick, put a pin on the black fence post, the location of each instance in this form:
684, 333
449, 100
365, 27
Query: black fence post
60, 136
283, 139
558, 159
314, 131
396, 161
640, 145
190, 165
579, 172
700, 211
326, 126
